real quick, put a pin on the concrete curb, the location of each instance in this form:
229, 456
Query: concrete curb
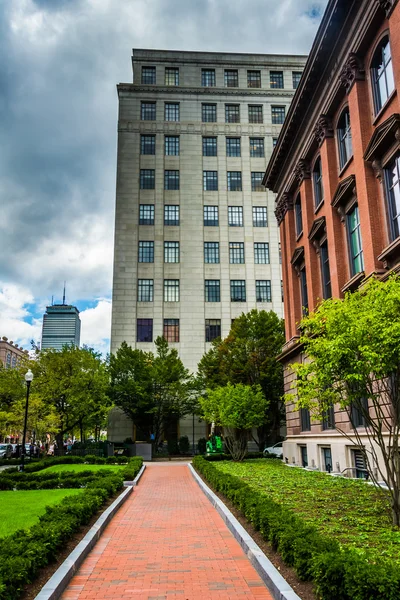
137, 478
278, 586
55, 586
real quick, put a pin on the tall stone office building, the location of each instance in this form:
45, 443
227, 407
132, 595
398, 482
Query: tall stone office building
61, 327
196, 240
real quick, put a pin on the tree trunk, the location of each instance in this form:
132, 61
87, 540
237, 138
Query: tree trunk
236, 442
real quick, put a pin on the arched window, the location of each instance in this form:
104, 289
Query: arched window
298, 216
317, 182
382, 74
344, 138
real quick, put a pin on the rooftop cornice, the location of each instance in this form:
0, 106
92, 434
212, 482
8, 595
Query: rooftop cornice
134, 88
387, 6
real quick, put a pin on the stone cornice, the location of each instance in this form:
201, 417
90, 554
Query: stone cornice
259, 93
284, 203
177, 127
352, 71
323, 129
387, 6
302, 170
386, 134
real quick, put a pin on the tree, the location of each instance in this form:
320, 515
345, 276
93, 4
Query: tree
353, 346
248, 355
237, 409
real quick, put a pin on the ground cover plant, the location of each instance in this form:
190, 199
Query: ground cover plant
334, 531
22, 510
74, 468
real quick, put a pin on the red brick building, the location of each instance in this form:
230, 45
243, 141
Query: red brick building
336, 172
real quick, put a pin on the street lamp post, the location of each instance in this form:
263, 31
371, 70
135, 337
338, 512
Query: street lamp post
28, 379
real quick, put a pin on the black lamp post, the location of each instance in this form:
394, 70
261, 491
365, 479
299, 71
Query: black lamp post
28, 379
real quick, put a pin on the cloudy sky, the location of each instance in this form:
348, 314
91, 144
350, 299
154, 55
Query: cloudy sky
61, 61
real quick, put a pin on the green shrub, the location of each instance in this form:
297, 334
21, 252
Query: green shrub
111, 460
184, 444
100, 460
121, 460
90, 458
173, 447
202, 445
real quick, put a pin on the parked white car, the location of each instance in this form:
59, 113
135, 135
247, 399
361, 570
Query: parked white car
275, 449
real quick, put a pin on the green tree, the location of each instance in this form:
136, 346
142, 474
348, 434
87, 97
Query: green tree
237, 409
248, 355
353, 346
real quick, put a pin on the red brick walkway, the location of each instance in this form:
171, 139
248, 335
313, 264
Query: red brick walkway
166, 542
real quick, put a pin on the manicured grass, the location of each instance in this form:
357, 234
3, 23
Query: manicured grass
21, 510
78, 468
353, 512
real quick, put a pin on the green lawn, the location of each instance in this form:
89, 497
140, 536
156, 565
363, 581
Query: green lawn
353, 512
21, 510
78, 468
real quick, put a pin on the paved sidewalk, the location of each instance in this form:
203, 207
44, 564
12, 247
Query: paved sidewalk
166, 542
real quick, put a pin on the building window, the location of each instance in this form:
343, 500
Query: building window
257, 148
303, 291
344, 138
277, 115
255, 113
171, 252
213, 329
172, 145
382, 74
171, 330
209, 146
282, 290
210, 181
233, 146
171, 214
146, 252
296, 76
211, 216
147, 179
253, 79
392, 182
171, 290
145, 290
171, 111
274, 142
325, 271
231, 78
147, 144
148, 111
305, 419
14, 362
208, 77
317, 183
327, 459
256, 182
359, 464
298, 216
359, 413
212, 291
146, 214
234, 181
260, 216
171, 180
304, 456
280, 253
236, 253
144, 330
263, 291
235, 216
261, 253
148, 75
209, 113
238, 290
211, 252
8, 360
276, 79
232, 113
355, 241
328, 418
171, 76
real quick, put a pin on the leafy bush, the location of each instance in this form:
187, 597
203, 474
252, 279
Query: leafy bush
90, 458
184, 444
111, 460
202, 445
173, 447
122, 460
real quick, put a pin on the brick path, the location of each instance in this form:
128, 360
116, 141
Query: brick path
167, 541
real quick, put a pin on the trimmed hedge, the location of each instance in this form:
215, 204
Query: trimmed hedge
249, 455
336, 573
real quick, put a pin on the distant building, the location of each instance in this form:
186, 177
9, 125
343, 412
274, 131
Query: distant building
61, 326
10, 353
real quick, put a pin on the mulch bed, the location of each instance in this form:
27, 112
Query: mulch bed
304, 589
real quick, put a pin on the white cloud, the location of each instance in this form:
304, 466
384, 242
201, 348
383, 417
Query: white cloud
96, 326
14, 309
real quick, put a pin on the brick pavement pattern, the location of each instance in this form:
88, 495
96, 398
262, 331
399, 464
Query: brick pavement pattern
167, 541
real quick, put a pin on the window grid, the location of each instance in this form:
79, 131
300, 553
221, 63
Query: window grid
213, 329
255, 113
147, 144
211, 216
317, 182
276, 79
171, 330
304, 291
260, 218
232, 113
261, 253
382, 74
171, 252
234, 181
235, 216
256, 181
253, 79
274, 142
171, 214
257, 148
232, 146
146, 214
171, 76
171, 145
145, 290
296, 76
171, 111
236, 253
210, 181
392, 180
263, 290
231, 78
238, 290
171, 180
355, 241
277, 115
211, 252
148, 75
209, 146
298, 216
344, 138
208, 77
325, 271
147, 179
146, 252
144, 330
171, 290
148, 111
209, 113
212, 290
